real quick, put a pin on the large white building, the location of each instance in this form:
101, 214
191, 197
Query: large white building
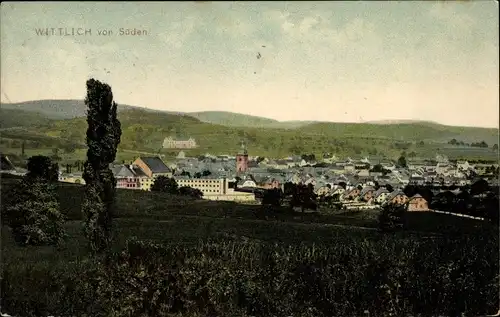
215, 189
173, 143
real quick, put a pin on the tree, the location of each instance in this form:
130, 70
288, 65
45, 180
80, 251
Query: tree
288, 188
165, 185
495, 146
34, 214
103, 136
389, 188
410, 190
272, 197
390, 218
343, 185
308, 157
55, 154
184, 173
479, 187
401, 161
304, 197
40, 166
378, 168
189, 191
206, 173
69, 148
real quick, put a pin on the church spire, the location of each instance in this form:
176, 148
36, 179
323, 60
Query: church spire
243, 149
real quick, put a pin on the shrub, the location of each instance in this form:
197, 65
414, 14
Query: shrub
189, 191
165, 184
391, 218
34, 215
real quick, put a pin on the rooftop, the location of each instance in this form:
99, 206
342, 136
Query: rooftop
155, 164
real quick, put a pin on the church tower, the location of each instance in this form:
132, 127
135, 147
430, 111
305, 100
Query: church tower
242, 159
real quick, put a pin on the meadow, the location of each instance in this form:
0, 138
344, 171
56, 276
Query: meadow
174, 256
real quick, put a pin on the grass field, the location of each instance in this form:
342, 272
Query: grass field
441, 262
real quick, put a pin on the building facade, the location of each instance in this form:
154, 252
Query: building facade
173, 143
152, 167
215, 189
242, 160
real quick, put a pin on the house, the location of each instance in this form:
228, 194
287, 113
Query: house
173, 143
6, 164
126, 177
417, 180
364, 173
337, 190
443, 168
397, 198
349, 168
269, 183
323, 190
463, 166
295, 179
380, 195
75, 178
246, 183
280, 164
366, 193
388, 165
351, 193
152, 167
417, 203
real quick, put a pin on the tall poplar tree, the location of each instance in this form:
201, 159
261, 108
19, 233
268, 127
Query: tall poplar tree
103, 137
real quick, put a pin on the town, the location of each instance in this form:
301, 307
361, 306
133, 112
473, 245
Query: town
352, 184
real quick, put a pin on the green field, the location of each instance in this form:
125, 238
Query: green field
251, 262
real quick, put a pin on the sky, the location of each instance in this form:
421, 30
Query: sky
326, 61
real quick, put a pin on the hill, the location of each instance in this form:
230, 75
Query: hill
145, 129
416, 131
59, 109
10, 118
232, 119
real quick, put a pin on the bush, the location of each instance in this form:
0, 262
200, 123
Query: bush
165, 184
191, 192
34, 215
391, 218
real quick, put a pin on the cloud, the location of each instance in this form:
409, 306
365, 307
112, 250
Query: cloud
308, 23
444, 12
313, 29
179, 32
234, 26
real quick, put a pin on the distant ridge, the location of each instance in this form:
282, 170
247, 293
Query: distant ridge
63, 109
233, 119
400, 122
73, 108
54, 123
